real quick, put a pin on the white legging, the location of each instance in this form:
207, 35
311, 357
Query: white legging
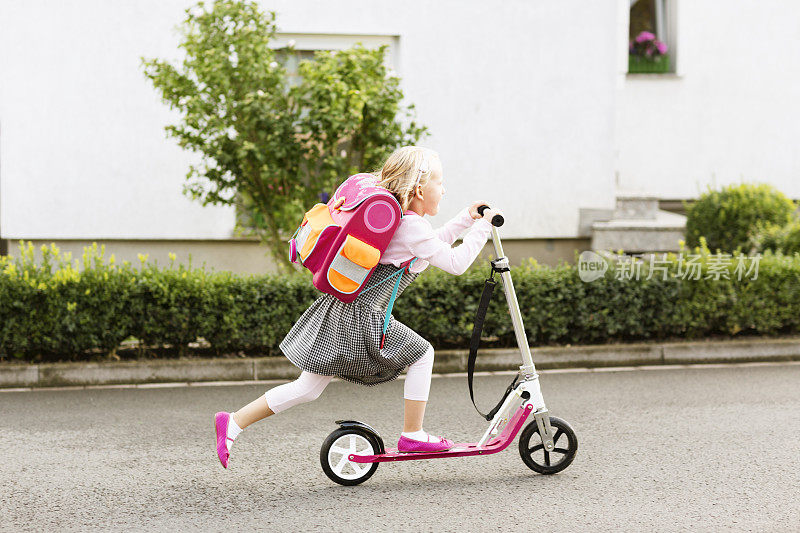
309, 386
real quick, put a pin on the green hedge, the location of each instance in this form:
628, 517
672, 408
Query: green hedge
51, 310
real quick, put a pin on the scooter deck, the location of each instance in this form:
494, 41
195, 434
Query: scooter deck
498, 444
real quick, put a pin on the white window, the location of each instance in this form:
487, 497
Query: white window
305, 44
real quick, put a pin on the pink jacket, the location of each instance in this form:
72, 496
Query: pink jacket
415, 237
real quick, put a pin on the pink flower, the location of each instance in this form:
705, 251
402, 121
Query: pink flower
644, 37
661, 47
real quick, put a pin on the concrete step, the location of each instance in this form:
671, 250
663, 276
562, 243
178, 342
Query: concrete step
637, 225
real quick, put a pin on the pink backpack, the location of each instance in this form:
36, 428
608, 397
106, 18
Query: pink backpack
342, 241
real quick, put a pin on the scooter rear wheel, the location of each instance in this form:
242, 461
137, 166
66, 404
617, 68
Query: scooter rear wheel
335, 453
534, 455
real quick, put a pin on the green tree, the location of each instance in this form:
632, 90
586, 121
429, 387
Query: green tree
268, 146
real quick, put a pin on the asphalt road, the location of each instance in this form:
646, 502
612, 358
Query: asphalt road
701, 449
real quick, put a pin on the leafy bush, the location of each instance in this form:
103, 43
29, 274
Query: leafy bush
55, 311
728, 218
778, 238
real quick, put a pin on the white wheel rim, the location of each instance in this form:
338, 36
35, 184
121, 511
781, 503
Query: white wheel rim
339, 456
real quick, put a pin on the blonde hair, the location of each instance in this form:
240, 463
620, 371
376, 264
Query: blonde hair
400, 172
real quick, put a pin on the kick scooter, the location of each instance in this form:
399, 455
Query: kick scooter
547, 445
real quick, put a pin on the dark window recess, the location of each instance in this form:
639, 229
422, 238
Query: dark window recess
643, 18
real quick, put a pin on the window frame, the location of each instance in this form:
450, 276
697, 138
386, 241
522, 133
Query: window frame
307, 42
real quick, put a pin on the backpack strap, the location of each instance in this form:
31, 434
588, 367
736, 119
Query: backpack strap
399, 273
404, 267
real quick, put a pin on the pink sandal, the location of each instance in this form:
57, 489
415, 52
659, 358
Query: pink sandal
221, 427
407, 445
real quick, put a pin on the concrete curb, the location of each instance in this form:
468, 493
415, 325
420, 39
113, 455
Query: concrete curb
447, 361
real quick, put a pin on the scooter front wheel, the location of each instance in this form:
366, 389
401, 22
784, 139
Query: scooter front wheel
336, 451
531, 448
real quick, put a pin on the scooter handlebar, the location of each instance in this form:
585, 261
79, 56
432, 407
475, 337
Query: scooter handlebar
496, 219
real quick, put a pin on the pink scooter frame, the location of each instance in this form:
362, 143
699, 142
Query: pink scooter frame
495, 445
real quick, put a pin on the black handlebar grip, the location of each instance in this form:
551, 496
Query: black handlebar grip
497, 220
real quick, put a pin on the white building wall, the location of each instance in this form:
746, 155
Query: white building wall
519, 97
83, 153
731, 113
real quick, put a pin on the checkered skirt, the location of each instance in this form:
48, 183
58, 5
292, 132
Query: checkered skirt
343, 339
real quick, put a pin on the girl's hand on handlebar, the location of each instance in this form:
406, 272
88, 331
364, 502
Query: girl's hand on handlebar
473, 209
493, 216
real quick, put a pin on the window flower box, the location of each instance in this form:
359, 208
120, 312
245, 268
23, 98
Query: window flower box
647, 54
643, 65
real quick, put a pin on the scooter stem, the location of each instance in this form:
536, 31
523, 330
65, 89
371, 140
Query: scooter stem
527, 369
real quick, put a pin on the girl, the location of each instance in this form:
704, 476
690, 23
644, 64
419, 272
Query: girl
333, 338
